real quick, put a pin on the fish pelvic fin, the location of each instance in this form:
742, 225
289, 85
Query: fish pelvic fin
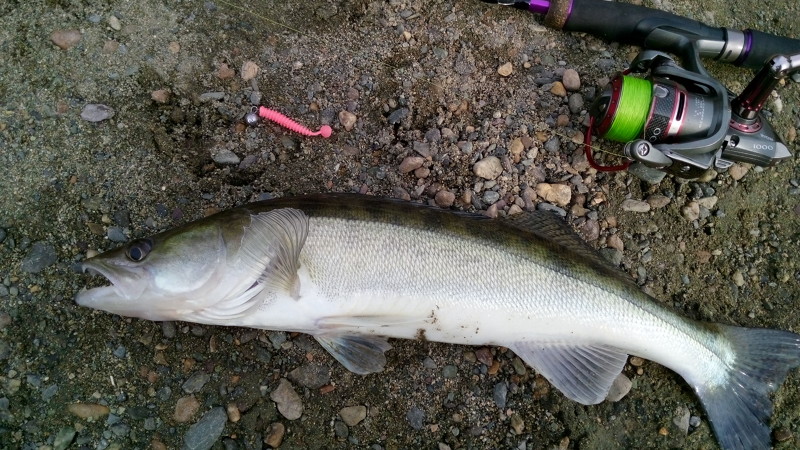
271, 247
361, 354
584, 373
740, 408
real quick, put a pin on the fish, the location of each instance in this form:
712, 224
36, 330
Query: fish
353, 271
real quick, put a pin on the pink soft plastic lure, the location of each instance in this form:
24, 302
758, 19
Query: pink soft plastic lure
280, 119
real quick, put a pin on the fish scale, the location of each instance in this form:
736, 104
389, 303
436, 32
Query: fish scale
353, 271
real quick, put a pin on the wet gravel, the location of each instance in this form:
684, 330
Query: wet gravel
123, 118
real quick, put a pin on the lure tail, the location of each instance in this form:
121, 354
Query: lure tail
280, 119
739, 408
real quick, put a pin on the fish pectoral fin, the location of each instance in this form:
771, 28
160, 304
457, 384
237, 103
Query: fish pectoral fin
360, 354
584, 373
271, 247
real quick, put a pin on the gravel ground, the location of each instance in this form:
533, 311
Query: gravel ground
422, 96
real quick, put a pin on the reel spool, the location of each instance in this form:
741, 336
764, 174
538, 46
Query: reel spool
657, 110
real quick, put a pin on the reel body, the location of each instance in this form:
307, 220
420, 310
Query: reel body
681, 121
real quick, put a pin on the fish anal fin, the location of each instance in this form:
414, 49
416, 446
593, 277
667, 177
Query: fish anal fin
271, 247
361, 354
584, 373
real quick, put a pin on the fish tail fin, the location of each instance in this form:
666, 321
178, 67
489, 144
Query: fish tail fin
739, 408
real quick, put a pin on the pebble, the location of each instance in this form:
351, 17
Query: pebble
484, 355
353, 415
738, 171
347, 119
203, 434
120, 352
40, 256
115, 234
289, 403
500, 394
571, 80
397, 116
558, 89
88, 410
691, 211
113, 22
195, 382
708, 202
311, 376
222, 155
560, 194
250, 70
211, 96
416, 418
590, 230
635, 205
647, 174
224, 72
738, 278
66, 39
619, 388
411, 163
553, 145
505, 70
3, 235
275, 434
575, 103
782, 435
517, 424
488, 168
445, 198
657, 201
234, 415
490, 197
185, 409
449, 371
64, 438
681, 419
95, 112
160, 96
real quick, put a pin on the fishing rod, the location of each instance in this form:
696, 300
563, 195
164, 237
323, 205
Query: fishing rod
679, 120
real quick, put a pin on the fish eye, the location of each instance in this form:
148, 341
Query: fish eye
139, 249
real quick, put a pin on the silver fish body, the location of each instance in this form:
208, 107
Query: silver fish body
354, 270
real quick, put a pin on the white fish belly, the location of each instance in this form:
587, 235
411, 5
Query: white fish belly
384, 279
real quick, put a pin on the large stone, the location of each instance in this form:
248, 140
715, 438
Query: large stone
488, 168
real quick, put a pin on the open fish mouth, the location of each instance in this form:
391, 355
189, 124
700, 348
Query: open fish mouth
95, 296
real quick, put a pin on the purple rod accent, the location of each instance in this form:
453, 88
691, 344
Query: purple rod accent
539, 6
748, 45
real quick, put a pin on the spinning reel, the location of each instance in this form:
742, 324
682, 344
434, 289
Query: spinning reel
685, 122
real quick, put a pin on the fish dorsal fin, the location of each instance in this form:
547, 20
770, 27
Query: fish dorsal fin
584, 373
549, 227
359, 353
271, 248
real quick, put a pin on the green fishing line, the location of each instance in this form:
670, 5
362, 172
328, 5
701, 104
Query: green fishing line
632, 111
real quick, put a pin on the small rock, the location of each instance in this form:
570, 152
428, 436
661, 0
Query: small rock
445, 198
517, 424
505, 70
708, 202
516, 148
738, 171
635, 205
490, 197
289, 403
571, 80
738, 278
160, 96
590, 230
347, 119
94, 112
691, 211
647, 174
619, 388
234, 415
782, 435
657, 201
575, 104
553, 145
488, 168
40, 256
416, 418
222, 155
312, 376
681, 420
637, 361
484, 355
558, 89
63, 438
87, 410
185, 409
560, 194
113, 22
250, 70
224, 72
411, 163
195, 382
500, 394
449, 371
116, 234
275, 434
203, 434
353, 415
66, 39
397, 116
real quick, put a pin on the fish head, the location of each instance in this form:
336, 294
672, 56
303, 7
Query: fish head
158, 278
